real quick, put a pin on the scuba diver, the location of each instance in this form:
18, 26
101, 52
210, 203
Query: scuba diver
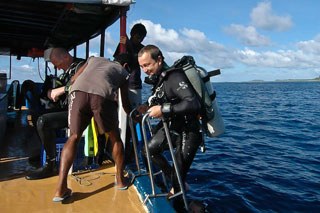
56, 117
174, 99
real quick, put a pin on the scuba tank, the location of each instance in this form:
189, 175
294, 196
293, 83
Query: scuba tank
200, 80
214, 126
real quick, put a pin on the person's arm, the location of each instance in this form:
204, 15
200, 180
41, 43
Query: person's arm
180, 87
155, 111
143, 108
78, 73
125, 98
54, 94
123, 40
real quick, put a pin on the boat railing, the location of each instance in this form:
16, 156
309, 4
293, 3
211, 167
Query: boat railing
135, 129
146, 125
132, 114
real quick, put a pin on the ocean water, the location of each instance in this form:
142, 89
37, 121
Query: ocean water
268, 160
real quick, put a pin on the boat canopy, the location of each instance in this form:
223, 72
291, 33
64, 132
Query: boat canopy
28, 27
109, 2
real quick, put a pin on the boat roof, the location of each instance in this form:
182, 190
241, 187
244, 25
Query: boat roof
35, 25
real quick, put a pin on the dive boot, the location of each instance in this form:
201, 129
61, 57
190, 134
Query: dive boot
48, 170
101, 148
35, 158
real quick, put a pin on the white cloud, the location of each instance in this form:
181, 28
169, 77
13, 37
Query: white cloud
175, 44
317, 37
110, 51
309, 47
95, 54
279, 59
210, 54
248, 35
109, 41
164, 38
4, 70
26, 67
263, 17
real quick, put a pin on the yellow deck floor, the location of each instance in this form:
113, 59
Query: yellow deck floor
95, 193
21, 195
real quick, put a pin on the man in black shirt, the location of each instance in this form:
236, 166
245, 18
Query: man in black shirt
133, 46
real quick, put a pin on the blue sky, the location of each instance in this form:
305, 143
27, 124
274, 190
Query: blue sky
247, 40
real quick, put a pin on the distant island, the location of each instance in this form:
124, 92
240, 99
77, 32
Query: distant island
290, 80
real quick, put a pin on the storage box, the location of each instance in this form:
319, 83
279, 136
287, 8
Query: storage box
59, 146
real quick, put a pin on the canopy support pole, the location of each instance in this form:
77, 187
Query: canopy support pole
87, 49
123, 21
75, 52
102, 39
10, 68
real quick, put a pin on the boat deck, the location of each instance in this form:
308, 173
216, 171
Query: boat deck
93, 191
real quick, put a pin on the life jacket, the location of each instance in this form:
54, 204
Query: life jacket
200, 80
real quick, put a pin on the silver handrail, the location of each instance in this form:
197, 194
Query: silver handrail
145, 117
176, 167
145, 120
134, 141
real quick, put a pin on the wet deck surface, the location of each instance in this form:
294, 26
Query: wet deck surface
19, 143
94, 193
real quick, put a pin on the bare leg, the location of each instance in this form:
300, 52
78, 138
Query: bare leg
118, 156
66, 159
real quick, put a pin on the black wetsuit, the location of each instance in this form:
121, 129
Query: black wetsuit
183, 106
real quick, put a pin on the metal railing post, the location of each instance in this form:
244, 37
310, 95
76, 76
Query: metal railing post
134, 141
147, 152
167, 131
146, 122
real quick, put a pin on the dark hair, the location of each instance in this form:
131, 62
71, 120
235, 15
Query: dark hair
154, 51
122, 59
138, 29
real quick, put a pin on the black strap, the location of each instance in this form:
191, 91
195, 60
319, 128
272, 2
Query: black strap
213, 95
210, 74
164, 74
206, 79
214, 73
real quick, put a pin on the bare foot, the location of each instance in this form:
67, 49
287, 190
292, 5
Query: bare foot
61, 192
186, 186
122, 183
63, 197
